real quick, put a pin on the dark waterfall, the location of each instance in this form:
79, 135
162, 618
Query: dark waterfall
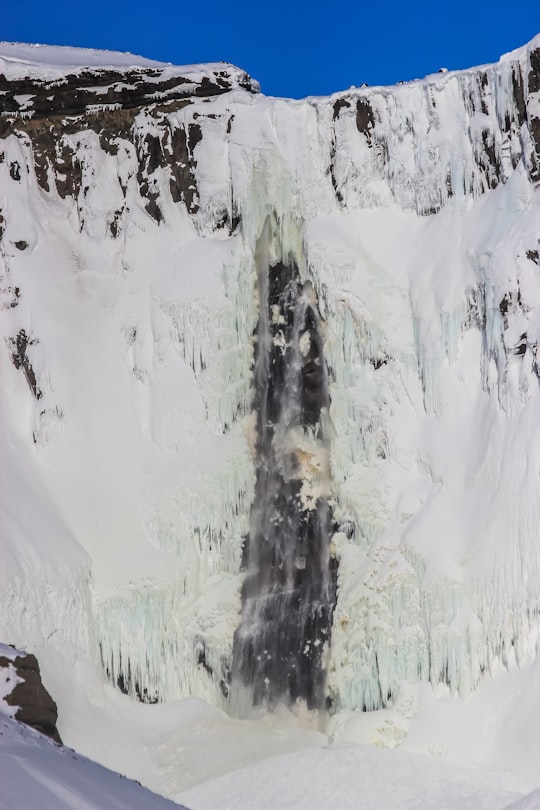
281, 645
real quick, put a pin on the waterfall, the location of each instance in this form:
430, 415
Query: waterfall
281, 646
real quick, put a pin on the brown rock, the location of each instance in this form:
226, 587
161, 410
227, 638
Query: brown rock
36, 707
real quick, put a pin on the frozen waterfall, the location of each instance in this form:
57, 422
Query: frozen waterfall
194, 497
281, 647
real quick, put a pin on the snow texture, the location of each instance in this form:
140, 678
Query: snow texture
337, 777
128, 265
35, 772
8, 678
20, 60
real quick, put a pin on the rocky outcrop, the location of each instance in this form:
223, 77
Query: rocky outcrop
498, 116
36, 708
51, 115
80, 92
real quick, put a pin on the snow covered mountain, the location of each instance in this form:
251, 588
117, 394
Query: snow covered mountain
228, 320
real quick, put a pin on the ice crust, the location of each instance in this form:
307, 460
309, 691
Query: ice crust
414, 211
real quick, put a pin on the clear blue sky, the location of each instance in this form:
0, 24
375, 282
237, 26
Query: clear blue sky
293, 48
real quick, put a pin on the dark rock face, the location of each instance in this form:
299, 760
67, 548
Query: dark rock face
289, 593
534, 74
171, 148
365, 120
19, 346
501, 146
36, 707
107, 102
339, 105
75, 93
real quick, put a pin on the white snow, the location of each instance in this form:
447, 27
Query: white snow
21, 60
350, 777
126, 488
35, 772
8, 678
11, 653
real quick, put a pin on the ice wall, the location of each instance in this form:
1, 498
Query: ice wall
129, 291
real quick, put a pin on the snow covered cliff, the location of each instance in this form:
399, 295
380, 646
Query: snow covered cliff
134, 200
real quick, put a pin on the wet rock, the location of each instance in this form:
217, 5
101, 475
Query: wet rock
289, 593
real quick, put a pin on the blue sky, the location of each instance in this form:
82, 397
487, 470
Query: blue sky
293, 48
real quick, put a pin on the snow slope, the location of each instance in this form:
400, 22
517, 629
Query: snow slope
128, 252
8, 678
35, 772
25, 60
350, 777
239, 763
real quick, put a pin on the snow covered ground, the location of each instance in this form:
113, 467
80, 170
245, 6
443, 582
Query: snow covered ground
205, 760
35, 772
485, 747
126, 472
353, 777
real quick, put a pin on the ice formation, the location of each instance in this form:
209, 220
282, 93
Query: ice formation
131, 222
282, 644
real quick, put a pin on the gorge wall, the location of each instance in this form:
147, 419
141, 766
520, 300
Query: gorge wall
270, 378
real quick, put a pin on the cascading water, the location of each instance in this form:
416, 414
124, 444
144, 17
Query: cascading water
289, 593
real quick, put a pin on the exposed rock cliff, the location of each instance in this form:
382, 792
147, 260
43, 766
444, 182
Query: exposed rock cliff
24, 694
